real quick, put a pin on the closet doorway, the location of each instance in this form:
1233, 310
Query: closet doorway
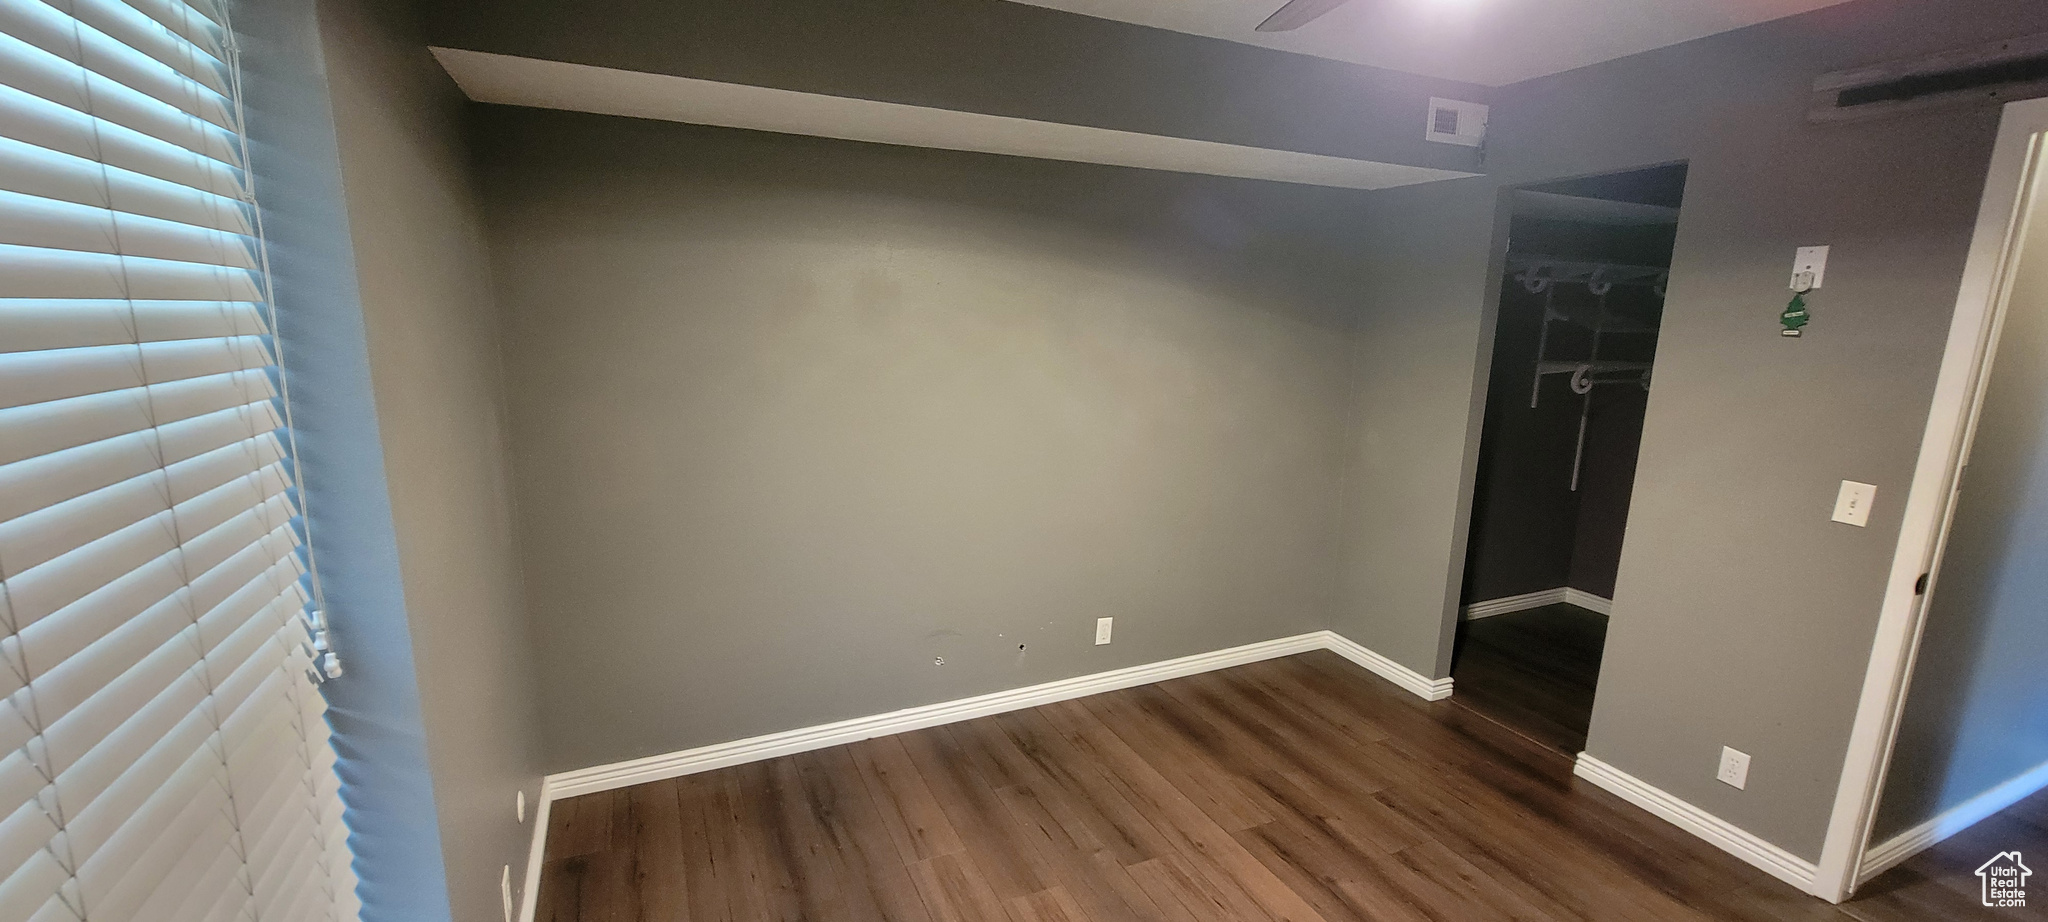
1573, 363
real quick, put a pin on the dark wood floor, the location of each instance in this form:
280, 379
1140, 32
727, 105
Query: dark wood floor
1293, 790
1941, 882
1533, 671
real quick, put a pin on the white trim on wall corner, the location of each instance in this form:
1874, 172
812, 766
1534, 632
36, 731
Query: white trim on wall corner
1589, 601
1539, 599
1416, 683
529, 896
1513, 603
1895, 850
1724, 835
754, 749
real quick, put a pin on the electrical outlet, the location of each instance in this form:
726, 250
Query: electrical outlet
1102, 630
1734, 768
519, 806
1852, 504
505, 891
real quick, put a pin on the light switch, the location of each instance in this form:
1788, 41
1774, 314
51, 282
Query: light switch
1809, 265
1852, 505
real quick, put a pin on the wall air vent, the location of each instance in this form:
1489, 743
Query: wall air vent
1998, 72
1455, 121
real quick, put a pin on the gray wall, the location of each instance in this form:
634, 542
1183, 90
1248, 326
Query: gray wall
1524, 514
1614, 435
1743, 616
1977, 713
1530, 530
987, 56
433, 343
792, 418
1419, 373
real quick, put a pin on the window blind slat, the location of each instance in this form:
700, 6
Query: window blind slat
39, 73
44, 272
59, 374
199, 869
23, 833
26, 893
220, 866
199, 60
79, 562
96, 806
73, 735
144, 849
47, 124
44, 26
100, 613
290, 877
36, 171
47, 222
69, 474
38, 326
164, 754
136, 756
199, 23
41, 428
98, 669
76, 472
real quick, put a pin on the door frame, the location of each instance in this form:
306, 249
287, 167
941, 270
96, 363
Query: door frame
2016, 165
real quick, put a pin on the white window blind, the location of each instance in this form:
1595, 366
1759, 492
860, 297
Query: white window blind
163, 750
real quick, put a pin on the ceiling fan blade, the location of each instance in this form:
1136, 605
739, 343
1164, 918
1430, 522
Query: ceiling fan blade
1298, 13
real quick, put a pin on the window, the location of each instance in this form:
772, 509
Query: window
165, 752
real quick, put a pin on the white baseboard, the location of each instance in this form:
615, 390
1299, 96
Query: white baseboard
1538, 599
1589, 601
1895, 850
754, 749
722, 755
1513, 603
1427, 688
1726, 836
529, 895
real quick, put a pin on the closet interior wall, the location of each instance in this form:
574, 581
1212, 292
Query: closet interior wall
1535, 528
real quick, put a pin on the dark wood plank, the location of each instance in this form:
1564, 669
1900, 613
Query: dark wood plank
580, 825
916, 821
657, 880
1942, 882
1534, 671
713, 880
1054, 905
954, 890
781, 881
1008, 864
1253, 891
1294, 790
870, 869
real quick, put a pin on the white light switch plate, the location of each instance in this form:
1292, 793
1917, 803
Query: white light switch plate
1734, 768
1809, 259
1102, 630
1852, 505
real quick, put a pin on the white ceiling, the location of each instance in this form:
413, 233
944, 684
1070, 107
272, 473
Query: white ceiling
1493, 42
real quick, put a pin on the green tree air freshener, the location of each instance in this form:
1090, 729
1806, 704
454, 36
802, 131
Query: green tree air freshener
1795, 315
